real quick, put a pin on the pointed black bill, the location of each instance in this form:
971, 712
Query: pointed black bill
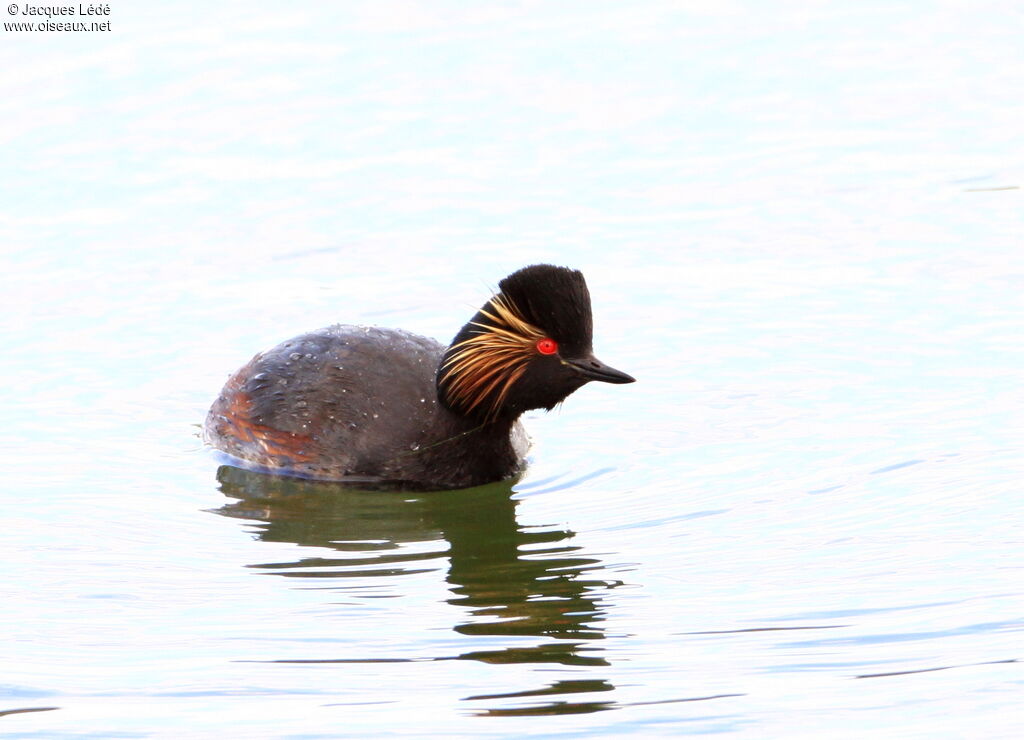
592, 368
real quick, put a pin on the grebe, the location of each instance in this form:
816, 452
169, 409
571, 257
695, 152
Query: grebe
351, 402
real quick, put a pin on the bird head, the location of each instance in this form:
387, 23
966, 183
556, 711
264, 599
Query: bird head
528, 347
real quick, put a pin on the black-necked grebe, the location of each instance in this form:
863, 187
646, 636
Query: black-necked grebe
358, 402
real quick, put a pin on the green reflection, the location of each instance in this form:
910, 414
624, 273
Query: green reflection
506, 579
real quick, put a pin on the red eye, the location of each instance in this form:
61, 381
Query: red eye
547, 346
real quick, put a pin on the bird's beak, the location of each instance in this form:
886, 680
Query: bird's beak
592, 368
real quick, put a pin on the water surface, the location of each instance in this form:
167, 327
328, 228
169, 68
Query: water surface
802, 232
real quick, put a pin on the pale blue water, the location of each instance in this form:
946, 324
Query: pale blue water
802, 228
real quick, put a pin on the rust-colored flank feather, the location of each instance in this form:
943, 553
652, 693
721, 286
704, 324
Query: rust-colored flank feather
482, 369
243, 436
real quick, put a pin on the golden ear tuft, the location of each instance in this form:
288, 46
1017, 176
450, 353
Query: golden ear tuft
481, 370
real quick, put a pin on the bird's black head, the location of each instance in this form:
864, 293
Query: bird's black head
528, 347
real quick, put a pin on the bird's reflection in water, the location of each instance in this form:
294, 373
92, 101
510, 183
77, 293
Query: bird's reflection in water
510, 579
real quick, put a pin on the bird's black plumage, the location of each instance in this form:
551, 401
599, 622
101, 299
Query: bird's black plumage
350, 402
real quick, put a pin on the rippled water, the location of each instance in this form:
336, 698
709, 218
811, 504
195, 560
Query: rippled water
802, 228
